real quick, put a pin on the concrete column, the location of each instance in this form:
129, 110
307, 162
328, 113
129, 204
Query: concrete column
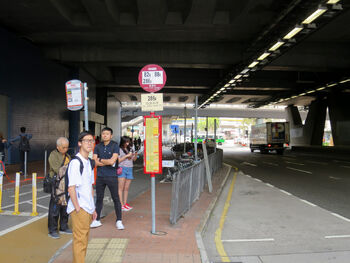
114, 120
74, 117
312, 132
339, 114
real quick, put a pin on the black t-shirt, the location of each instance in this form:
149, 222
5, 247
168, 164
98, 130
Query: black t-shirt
106, 152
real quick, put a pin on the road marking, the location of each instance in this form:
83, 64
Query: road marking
10, 213
295, 163
218, 242
322, 163
250, 164
141, 169
285, 192
338, 236
4, 232
257, 180
248, 175
38, 190
341, 217
249, 240
307, 202
274, 164
345, 166
335, 178
340, 161
269, 185
23, 202
45, 207
291, 168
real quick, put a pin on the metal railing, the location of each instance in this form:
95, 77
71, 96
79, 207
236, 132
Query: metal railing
189, 183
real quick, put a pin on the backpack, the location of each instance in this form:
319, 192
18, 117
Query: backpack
62, 181
24, 144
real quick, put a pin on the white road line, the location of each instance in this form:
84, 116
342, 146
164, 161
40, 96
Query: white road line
248, 175
250, 164
339, 161
249, 240
10, 213
257, 180
274, 164
30, 202
269, 185
335, 178
345, 166
291, 168
21, 194
285, 192
322, 163
307, 202
338, 236
295, 163
341, 217
4, 232
23, 202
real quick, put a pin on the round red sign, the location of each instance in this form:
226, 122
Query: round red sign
152, 78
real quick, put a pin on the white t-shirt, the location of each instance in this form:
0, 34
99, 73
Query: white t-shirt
83, 185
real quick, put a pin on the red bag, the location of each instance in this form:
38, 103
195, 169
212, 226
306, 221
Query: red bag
119, 171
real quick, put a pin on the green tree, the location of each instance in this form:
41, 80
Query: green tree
203, 123
247, 122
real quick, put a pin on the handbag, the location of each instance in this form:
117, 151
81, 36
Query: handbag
119, 170
48, 183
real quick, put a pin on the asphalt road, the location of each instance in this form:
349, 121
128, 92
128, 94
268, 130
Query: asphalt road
321, 179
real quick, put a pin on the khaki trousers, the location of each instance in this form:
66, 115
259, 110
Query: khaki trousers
81, 227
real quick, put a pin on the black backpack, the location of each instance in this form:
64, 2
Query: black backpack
66, 178
24, 144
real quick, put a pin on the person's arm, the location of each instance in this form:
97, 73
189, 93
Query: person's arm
29, 136
15, 139
110, 161
96, 159
120, 159
54, 162
74, 198
134, 156
94, 214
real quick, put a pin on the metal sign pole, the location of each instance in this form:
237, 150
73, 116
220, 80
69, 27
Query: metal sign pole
195, 130
86, 111
153, 193
185, 113
215, 134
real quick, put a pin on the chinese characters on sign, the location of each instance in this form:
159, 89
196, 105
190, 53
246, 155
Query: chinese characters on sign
152, 78
153, 150
74, 95
152, 102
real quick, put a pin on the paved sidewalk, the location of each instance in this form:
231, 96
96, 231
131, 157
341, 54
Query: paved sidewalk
136, 243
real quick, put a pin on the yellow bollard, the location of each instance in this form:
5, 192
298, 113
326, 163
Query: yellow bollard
16, 212
1, 178
34, 212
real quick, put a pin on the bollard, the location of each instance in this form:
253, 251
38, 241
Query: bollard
1, 178
34, 212
25, 165
16, 212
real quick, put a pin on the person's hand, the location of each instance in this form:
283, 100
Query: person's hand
77, 210
129, 155
94, 215
4, 140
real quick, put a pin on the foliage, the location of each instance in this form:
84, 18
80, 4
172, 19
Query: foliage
203, 123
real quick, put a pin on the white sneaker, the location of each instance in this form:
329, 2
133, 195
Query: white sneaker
96, 223
119, 225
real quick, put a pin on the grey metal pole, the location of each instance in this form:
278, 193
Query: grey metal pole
86, 110
215, 134
153, 192
195, 130
25, 165
185, 113
206, 127
45, 163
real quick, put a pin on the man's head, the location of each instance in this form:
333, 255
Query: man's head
106, 134
62, 145
86, 141
23, 129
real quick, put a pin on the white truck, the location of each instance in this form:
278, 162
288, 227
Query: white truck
270, 136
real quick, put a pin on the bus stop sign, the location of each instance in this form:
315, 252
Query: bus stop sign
152, 78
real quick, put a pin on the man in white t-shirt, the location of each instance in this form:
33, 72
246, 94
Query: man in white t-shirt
81, 205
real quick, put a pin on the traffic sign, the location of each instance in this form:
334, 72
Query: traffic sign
74, 95
175, 128
152, 102
152, 78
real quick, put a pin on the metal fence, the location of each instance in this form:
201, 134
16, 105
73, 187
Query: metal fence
189, 183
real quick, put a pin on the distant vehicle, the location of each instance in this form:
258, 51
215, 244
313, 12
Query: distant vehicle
270, 136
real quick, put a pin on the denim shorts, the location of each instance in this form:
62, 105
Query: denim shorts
126, 173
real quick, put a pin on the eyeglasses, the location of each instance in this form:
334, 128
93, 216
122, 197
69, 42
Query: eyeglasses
88, 141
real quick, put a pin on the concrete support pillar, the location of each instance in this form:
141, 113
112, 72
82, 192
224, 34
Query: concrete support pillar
312, 132
339, 115
74, 118
114, 120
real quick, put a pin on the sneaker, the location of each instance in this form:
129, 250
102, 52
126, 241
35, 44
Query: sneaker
119, 225
67, 231
54, 235
124, 208
128, 206
96, 223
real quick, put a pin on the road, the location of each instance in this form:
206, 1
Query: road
290, 208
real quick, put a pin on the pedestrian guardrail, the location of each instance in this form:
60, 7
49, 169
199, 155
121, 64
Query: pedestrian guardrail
189, 183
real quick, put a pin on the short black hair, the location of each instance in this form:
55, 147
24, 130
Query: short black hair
23, 129
83, 134
107, 129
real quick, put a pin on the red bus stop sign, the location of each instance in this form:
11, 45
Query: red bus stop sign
152, 78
